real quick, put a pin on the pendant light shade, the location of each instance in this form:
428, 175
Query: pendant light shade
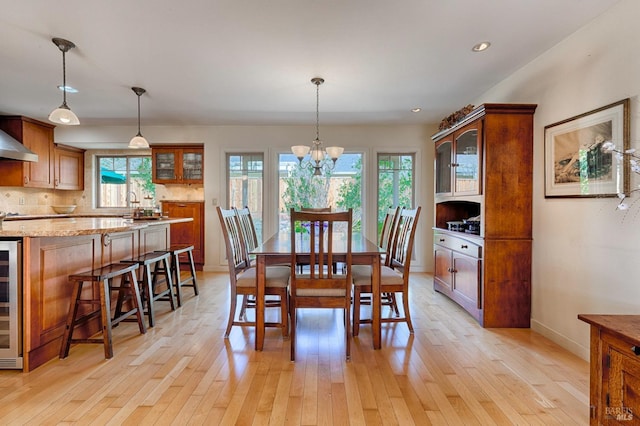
63, 114
138, 141
319, 157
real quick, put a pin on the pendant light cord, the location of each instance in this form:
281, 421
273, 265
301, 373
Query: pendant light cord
139, 134
318, 111
64, 79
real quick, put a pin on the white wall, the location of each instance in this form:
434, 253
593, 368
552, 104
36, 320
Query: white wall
584, 252
218, 140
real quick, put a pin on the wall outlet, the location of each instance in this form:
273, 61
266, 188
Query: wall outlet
214, 201
21, 201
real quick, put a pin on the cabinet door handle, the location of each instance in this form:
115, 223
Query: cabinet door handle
26, 180
442, 240
464, 246
454, 164
452, 270
635, 350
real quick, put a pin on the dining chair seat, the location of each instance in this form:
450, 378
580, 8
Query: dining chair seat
388, 276
319, 292
276, 276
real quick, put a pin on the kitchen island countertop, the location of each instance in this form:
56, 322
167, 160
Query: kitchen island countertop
79, 225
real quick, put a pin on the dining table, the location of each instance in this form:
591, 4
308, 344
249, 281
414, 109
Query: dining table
277, 251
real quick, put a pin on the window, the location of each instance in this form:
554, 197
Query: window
245, 173
124, 181
339, 188
395, 183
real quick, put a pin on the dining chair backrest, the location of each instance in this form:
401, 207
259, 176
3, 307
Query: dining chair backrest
322, 229
233, 240
403, 240
249, 234
388, 229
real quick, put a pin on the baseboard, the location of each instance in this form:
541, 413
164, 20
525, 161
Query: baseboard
560, 339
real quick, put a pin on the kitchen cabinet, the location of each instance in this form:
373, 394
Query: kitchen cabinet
614, 383
68, 168
38, 137
179, 164
458, 270
483, 170
187, 232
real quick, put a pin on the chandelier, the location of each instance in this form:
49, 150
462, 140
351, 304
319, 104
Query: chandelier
319, 157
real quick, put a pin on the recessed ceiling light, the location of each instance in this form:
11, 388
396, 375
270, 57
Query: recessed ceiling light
69, 89
483, 45
416, 109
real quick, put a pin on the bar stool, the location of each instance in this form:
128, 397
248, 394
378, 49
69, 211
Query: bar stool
149, 280
104, 276
190, 280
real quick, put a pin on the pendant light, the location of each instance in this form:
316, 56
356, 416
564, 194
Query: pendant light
319, 157
138, 141
63, 114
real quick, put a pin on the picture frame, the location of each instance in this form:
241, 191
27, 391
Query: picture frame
576, 166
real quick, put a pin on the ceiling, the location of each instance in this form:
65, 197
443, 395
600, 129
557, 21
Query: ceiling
250, 62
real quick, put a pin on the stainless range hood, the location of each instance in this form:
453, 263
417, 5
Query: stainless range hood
12, 149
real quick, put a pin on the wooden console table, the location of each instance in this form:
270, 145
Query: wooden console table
614, 389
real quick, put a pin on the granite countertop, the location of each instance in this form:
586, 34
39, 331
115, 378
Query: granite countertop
77, 225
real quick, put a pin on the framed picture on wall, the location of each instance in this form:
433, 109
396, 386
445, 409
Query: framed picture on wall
575, 164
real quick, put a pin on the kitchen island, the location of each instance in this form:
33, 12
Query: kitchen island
54, 248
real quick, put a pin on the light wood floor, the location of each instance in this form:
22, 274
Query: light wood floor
451, 372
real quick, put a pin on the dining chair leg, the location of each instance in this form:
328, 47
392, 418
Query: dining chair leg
347, 329
243, 308
284, 314
405, 305
232, 313
356, 311
393, 304
292, 332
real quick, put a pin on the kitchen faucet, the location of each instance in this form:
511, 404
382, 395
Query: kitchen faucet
135, 198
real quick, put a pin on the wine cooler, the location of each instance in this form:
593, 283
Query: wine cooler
10, 304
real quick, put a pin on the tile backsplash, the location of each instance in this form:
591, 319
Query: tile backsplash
39, 201
33, 201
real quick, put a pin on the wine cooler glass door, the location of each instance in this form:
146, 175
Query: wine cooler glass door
10, 305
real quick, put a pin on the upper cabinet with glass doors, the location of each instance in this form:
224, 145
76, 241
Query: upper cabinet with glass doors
458, 161
178, 164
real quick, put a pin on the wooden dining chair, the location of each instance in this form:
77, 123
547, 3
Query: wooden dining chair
321, 287
394, 275
251, 243
387, 233
242, 276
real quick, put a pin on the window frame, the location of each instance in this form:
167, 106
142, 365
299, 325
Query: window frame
98, 183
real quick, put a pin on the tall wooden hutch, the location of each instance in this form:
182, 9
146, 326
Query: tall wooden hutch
483, 171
